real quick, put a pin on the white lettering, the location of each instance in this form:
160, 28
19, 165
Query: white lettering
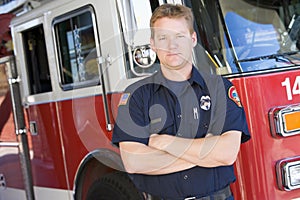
289, 90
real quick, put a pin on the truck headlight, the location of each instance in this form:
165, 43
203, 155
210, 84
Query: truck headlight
294, 174
288, 173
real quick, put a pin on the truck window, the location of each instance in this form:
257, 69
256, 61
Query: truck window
246, 36
36, 60
75, 40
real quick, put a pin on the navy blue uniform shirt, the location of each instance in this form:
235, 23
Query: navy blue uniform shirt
190, 109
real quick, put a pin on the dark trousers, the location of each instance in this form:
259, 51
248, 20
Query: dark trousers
223, 194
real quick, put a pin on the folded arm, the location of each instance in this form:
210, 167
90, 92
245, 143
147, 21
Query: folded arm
211, 151
142, 159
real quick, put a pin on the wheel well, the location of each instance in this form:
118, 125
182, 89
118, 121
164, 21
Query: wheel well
93, 167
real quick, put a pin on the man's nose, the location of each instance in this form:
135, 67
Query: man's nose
172, 43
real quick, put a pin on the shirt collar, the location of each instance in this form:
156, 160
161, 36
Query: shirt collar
196, 77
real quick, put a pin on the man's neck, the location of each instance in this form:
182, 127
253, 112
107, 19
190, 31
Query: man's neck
181, 74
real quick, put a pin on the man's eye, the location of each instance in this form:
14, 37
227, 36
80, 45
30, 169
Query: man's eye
180, 36
162, 38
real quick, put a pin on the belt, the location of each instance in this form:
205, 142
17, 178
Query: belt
218, 195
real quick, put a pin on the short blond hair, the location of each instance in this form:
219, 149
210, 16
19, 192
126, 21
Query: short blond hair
172, 11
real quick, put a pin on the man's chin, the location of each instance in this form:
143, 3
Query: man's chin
174, 67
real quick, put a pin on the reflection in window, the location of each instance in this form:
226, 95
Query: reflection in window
76, 49
257, 30
251, 39
248, 35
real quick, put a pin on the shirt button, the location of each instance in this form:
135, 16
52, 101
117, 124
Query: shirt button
179, 116
205, 125
185, 177
179, 134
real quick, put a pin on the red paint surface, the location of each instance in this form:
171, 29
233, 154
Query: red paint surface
255, 167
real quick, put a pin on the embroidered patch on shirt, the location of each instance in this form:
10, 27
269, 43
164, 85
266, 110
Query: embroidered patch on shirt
233, 95
124, 99
205, 103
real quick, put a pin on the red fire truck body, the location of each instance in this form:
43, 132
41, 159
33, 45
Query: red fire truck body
72, 61
256, 166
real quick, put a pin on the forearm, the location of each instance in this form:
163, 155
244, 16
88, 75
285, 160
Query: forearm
206, 152
203, 152
171, 167
142, 159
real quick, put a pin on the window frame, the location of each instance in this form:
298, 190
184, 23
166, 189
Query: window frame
67, 16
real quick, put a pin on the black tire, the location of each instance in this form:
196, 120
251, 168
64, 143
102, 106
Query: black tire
114, 186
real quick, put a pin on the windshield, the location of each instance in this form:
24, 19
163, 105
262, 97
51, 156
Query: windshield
250, 35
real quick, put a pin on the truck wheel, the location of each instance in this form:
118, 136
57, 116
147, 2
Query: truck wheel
115, 186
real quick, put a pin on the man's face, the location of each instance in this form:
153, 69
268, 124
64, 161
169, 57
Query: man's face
173, 42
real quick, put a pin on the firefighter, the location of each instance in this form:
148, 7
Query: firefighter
179, 130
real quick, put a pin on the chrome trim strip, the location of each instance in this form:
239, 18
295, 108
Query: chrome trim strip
245, 74
9, 144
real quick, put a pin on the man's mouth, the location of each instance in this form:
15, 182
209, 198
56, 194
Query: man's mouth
173, 54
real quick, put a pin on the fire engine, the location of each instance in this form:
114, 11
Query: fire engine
73, 59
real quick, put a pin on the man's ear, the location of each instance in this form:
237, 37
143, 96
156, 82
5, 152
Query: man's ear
152, 45
194, 38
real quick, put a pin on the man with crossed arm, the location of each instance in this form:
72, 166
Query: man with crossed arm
179, 130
